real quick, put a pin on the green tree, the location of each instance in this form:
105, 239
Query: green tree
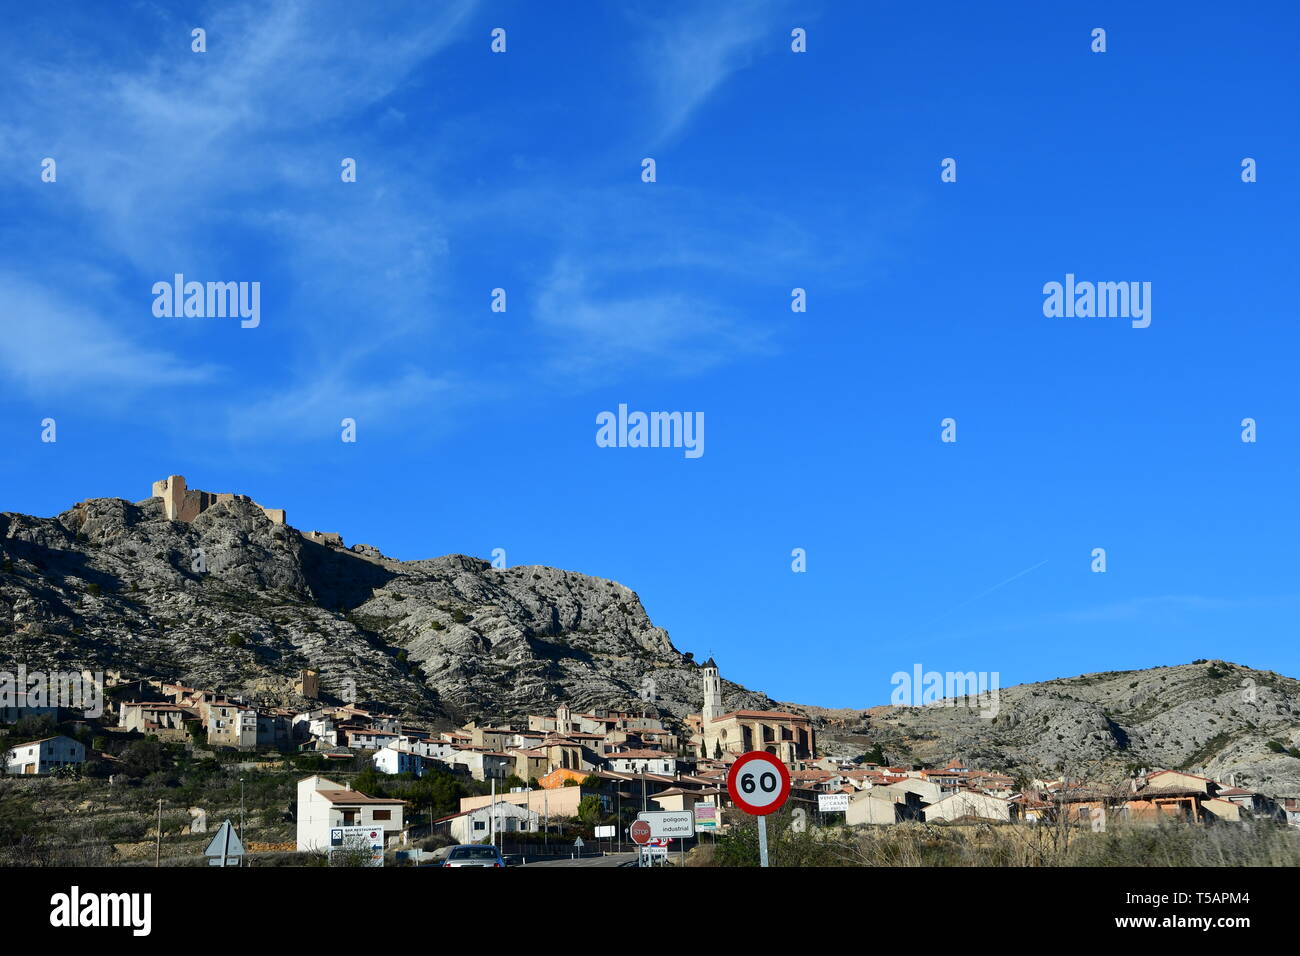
143, 758
589, 809
874, 755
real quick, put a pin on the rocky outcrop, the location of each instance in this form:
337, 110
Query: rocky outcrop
1216, 718
234, 600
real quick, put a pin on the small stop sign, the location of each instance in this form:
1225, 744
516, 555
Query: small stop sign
640, 832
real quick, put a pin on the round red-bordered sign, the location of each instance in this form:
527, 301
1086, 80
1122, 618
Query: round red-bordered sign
758, 783
640, 832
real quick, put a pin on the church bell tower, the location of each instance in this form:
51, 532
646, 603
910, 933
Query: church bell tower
712, 693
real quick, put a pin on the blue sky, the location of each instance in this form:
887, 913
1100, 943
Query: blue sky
775, 170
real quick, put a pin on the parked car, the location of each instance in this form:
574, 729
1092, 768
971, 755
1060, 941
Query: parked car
474, 854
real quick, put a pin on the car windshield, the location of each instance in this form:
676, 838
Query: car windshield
474, 853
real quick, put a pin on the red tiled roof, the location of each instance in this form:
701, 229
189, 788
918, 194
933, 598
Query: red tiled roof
639, 754
773, 714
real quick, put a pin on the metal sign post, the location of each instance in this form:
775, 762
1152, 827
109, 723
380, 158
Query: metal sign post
759, 784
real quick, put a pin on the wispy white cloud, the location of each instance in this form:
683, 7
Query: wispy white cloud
318, 407
181, 163
175, 162
688, 57
600, 329
53, 345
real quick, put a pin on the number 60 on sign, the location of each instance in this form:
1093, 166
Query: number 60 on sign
758, 783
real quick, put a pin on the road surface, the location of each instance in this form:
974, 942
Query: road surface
610, 859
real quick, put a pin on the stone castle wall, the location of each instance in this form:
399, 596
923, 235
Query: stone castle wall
183, 504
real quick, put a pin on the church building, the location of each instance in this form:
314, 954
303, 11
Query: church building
789, 736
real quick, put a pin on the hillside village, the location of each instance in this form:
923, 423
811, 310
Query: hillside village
404, 696
535, 775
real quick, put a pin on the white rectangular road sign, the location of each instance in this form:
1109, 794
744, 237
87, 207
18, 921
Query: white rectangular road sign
669, 823
832, 802
359, 837
606, 832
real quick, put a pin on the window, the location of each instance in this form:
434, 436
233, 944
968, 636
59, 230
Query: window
383, 815
473, 853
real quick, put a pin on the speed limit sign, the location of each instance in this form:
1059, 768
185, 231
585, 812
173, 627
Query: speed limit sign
758, 783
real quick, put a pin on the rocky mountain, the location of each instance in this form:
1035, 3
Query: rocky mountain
1212, 717
234, 601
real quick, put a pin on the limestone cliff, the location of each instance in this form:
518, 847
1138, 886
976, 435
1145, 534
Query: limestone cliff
1215, 718
112, 585
231, 599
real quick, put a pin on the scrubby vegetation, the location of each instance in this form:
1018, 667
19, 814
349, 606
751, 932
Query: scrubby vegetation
1260, 843
106, 812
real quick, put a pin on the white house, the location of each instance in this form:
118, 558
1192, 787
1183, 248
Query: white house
969, 803
424, 746
369, 738
42, 756
927, 791
471, 826
394, 760
641, 761
324, 805
876, 805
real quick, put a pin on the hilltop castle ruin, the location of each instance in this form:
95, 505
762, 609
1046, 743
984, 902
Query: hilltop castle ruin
183, 504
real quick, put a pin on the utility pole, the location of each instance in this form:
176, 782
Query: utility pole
241, 809
157, 846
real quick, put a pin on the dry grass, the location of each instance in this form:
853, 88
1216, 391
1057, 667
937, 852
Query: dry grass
1260, 843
